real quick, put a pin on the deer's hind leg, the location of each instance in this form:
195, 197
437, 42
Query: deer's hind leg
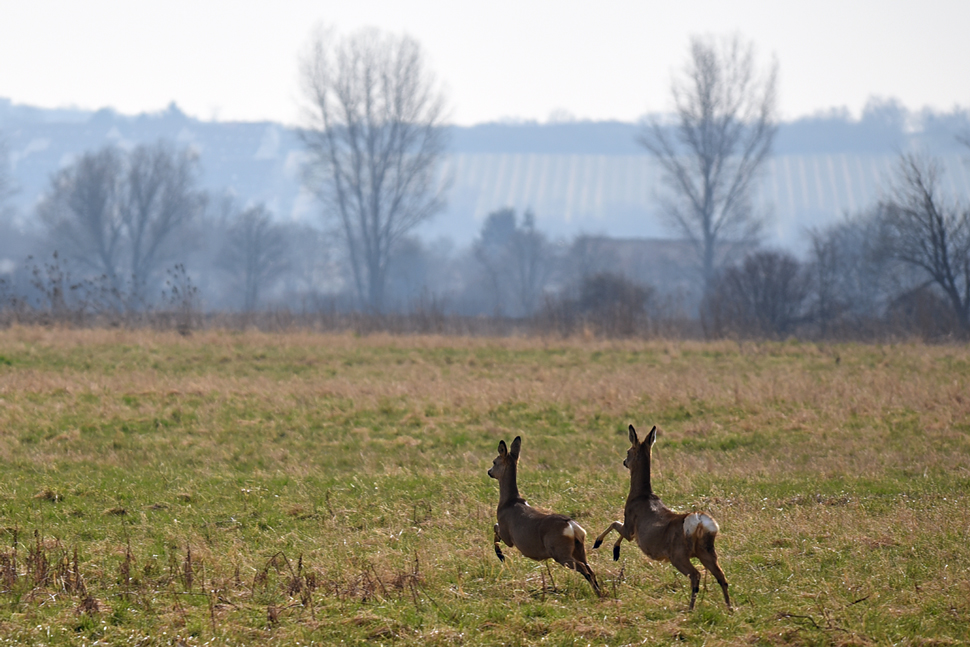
583, 568
590, 576
573, 555
682, 564
709, 560
582, 565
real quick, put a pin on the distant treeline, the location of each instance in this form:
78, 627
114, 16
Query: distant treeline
128, 235
850, 288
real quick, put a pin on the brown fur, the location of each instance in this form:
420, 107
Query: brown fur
538, 535
659, 531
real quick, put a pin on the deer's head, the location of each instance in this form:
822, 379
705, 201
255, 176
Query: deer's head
505, 459
639, 451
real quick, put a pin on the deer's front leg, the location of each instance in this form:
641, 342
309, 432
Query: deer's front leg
498, 549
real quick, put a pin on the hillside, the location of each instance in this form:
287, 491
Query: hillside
578, 177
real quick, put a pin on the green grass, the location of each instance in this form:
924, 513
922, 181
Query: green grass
300, 488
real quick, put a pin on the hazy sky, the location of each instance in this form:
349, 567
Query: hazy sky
518, 59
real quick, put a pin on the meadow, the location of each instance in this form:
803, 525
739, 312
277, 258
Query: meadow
304, 488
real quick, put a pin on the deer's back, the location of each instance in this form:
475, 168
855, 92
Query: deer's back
657, 529
531, 530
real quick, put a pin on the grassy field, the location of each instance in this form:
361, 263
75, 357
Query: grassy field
317, 489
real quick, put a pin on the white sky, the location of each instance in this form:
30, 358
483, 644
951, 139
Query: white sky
520, 59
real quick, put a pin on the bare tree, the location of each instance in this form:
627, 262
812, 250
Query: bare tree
531, 263
83, 215
120, 214
159, 201
765, 295
711, 156
254, 252
615, 305
926, 231
853, 279
490, 251
516, 259
374, 140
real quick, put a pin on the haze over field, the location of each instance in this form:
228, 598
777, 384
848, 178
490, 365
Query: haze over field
577, 177
534, 130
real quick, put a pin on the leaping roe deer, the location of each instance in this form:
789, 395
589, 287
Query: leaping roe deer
661, 533
537, 535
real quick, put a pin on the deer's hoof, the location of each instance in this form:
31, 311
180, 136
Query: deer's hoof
616, 553
599, 542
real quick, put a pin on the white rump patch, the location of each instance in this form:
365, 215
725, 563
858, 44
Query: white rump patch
574, 531
695, 519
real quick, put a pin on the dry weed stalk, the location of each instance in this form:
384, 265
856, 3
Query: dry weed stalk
188, 571
38, 566
74, 582
124, 570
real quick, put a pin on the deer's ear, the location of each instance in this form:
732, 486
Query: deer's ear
516, 446
652, 437
502, 449
633, 435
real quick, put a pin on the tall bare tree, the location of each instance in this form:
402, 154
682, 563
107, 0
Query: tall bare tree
929, 232
491, 250
254, 252
121, 214
531, 263
160, 200
516, 259
374, 140
711, 155
83, 214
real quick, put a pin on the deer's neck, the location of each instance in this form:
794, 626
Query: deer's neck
640, 480
508, 489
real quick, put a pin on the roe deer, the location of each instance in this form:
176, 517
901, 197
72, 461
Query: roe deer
660, 532
537, 535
